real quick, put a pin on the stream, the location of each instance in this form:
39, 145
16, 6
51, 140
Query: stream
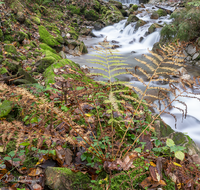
132, 44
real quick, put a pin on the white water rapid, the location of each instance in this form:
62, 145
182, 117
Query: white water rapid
133, 43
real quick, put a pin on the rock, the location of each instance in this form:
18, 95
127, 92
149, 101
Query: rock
154, 15
64, 179
188, 58
180, 72
5, 108
161, 12
83, 48
21, 17
115, 46
191, 49
71, 46
140, 23
142, 5
42, 64
115, 42
98, 25
131, 18
141, 38
65, 49
116, 3
195, 56
153, 27
133, 8
125, 7
91, 15
62, 54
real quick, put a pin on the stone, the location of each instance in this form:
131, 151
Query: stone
154, 15
195, 56
153, 27
116, 3
131, 18
188, 58
191, 49
65, 49
142, 5
98, 25
140, 23
141, 38
62, 54
21, 17
63, 179
115, 42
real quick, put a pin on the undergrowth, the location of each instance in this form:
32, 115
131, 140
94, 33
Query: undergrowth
109, 123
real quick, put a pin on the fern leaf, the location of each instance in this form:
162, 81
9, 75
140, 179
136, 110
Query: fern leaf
97, 74
144, 63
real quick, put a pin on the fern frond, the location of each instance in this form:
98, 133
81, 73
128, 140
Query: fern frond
120, 68
146, 64
97, 74
122, 73
155, 55
143, 71
117, 64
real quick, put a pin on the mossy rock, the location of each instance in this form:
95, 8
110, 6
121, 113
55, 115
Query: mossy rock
154, 15
44, 63
112, 17
116, 3
74, 9
49, 72
91, 15
73, 33
124, 13
1, 35
133, 8
83, 48
153, 27
161, 12
36, 20
5, 108
28, 79
46, 47
10, 49
131, 18
96, 5
21, 36
11, 65
47, 38
64, 178
140, 23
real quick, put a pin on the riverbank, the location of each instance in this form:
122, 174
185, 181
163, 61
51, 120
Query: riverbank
53, 114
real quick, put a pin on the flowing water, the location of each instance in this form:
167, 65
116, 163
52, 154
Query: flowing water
132, 44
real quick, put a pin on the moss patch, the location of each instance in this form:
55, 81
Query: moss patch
5, 108
10, 49
46, 47
36, 20
46, 37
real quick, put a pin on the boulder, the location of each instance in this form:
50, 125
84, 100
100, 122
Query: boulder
133, 8
191, 49
131, 18
154, 15
42, 64
161, 12
98, 25
91, 15
21, 17
142, 5
116, 3
140, 23
63, 178
153, 27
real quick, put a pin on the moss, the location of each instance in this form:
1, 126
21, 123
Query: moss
97, 5
33, 44
103, 10
74, 9
161, 12
46, 37
12, 66
28, 23
116, 3
179, 138
49, 72
131, 18
36, 20
3, 70
50, 54
133, 8
1, 35
21, 36
83, 48
73, 33
60, 39
22, 57
46, 47
5, 108
112, 17
9, 38
10, 49
91, 15
139, 23
44, 63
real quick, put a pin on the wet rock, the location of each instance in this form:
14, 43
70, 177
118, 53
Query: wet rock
98, 25
65, 49
125, 7
131, 18
188, 58
133, 52
115, 46
142, 5
153, 27
21, 17
85, 31
62, 54
154, 15
140, 23
115, 42
141, 38
116, 3
195, 56
191, 49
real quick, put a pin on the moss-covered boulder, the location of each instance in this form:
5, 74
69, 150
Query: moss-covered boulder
10, 49
124, 12
116, 3
131, 18
46, 47
153, 27
140, 23
44, 63
161, 12
73, 33
112, 16
49, 72
21, 36
64, 178
36, 20
154, 15
47, 38
5, 108
26, 79
91, 15
133, 8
